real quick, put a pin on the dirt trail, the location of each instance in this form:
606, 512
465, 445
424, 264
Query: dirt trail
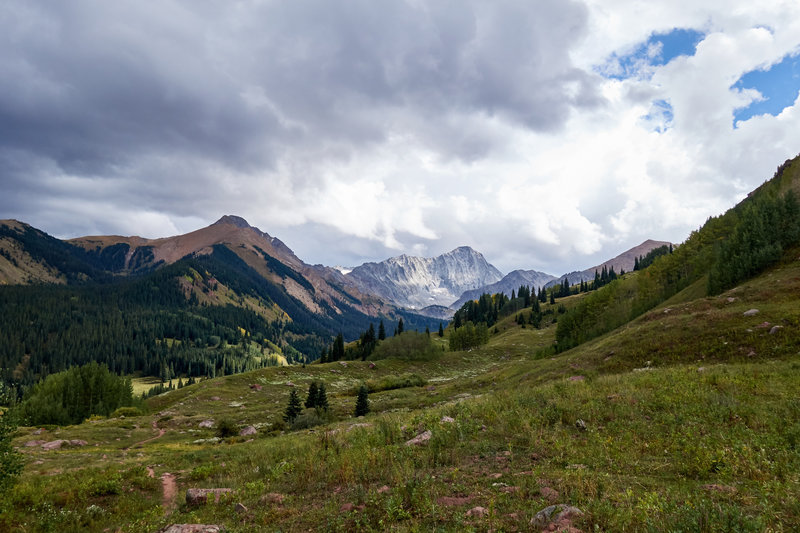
161, 432
169, 489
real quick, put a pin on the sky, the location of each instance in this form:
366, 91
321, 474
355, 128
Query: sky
547, 134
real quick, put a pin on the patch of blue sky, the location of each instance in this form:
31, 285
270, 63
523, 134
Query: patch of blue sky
659, 117
778, 84
659, 49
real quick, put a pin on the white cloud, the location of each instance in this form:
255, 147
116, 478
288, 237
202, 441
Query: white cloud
358, 132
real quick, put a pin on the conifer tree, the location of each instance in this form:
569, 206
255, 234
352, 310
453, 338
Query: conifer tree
552, 296
294, 407
311, 399
322, 397
362, 401
441, 330
400, 327
381, 331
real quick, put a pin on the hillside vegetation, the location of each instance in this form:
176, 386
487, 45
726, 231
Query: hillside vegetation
676, 409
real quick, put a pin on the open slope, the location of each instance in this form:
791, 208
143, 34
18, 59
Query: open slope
689, 421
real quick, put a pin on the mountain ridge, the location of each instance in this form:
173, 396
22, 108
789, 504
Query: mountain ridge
418, 282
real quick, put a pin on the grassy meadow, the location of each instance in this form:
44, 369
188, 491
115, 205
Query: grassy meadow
685, 419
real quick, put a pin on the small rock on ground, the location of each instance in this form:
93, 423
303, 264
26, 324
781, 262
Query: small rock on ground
751, 312
200, 496
274, 498
422, 438
448, 420
249, 430
478, 512
384, 489
555, 514
206, 424
192, 528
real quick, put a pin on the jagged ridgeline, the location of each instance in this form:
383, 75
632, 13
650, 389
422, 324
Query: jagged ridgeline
203, 315
727, 250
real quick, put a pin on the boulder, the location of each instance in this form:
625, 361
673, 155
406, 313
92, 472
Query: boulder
192, 528
478, 512
249, 430
447, 420
78, 442
32, 443
54, 444
775, 329
751, 312
420, 439
206, 424
555, 513
195, 497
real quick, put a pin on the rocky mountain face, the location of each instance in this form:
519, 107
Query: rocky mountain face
512, 281
419, 282
624, 261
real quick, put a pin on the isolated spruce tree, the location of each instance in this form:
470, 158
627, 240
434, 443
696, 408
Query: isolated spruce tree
294, 407
362, 401
441, 330
311, 399
381, 331
322, 398
552, 297
400, 327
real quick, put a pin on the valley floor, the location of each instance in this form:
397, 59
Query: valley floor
686, 419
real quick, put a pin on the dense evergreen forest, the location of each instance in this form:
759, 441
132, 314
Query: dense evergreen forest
149, 324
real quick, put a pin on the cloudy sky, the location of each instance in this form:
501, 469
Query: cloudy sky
547, 134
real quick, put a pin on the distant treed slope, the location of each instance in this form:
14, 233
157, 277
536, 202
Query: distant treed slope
418, 282
731, 247
202, 315
624, 261
511, 281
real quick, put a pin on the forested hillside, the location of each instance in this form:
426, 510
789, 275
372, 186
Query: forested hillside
201, 316
728, 249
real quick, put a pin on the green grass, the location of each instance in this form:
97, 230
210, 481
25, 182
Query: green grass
691, 413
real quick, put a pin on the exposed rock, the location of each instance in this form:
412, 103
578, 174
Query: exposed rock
343, 363
256, 387
215, 398
448, 420
196, 497
580, 424
240, 508
549, 494
347, 507
54, 444
417, 282
496, 475
274, 498
192, 528
478, 512
32, 443
763, 325
249, 430
775, 329
206, 424
384, 489
555, 514
730, 299
373, 366
422, 438
453, 501
289, 384
38, 431
751, 312
720, 488
78, 442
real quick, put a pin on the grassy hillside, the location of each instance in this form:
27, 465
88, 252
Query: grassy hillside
685, 419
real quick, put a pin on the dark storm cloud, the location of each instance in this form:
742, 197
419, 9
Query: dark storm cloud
161, 111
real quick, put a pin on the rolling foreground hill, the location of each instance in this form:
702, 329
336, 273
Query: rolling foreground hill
674, 409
